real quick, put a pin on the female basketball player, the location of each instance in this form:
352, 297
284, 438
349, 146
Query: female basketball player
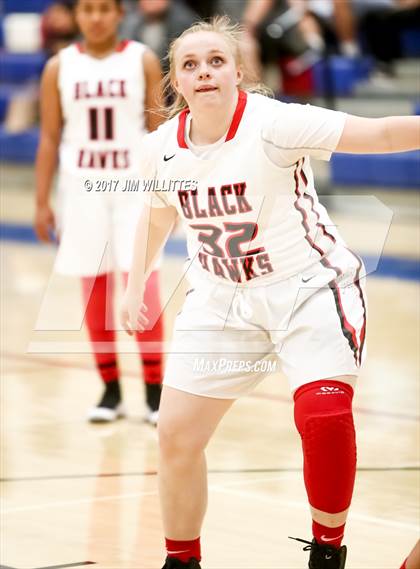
269, 275
97, 102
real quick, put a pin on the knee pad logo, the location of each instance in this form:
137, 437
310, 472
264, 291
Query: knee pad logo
329, 390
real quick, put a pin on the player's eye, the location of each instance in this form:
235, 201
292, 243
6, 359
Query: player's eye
189, 64
217, 60
104, 8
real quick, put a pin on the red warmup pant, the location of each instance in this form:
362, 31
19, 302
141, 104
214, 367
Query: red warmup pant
98, 295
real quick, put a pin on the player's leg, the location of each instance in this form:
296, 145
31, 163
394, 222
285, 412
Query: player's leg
328, 324
186, 423
208, 346
413, 560
323, 417
85, 251
97, 296
151, 358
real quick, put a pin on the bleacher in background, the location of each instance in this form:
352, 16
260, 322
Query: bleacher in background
21, 61
410, 39
23, 6
341, 75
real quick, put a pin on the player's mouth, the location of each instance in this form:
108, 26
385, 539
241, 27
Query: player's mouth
206, 89
97, 30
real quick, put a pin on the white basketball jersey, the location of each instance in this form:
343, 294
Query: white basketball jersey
103, 107
249, 207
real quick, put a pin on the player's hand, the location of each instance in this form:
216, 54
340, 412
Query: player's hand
44, 223
131, 315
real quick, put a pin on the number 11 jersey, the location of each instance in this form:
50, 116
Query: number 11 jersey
102, 102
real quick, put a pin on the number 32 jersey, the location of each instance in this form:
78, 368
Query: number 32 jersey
103, 109
248, 202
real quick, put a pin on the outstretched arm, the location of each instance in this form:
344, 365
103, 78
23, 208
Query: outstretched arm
153, 229
377, 136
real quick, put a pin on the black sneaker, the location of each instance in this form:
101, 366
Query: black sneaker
110, 406
323, 556
172, 563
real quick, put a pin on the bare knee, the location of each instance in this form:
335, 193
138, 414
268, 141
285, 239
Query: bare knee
186, 424
179, 440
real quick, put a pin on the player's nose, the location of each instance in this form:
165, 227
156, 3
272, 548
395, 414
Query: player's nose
96, 17
204, 71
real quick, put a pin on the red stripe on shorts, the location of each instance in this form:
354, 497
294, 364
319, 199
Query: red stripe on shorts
348, 330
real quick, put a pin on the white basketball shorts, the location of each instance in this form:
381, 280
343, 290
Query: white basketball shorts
96, 229
313, 325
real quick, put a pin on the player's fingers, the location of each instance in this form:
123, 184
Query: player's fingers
125, 323
127, 328
52, 229
141, 319
48, 231
41, 231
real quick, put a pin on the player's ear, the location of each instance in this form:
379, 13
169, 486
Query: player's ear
175, 84
239, 75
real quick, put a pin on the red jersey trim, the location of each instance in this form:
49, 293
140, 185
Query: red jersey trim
122, 45
234, 125
181, 128
119, 48
237, 115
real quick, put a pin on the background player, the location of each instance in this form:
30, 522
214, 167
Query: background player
98, 99
269, 275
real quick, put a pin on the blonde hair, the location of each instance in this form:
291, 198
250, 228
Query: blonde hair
233, 35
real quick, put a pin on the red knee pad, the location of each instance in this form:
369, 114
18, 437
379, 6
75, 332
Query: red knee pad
324, 418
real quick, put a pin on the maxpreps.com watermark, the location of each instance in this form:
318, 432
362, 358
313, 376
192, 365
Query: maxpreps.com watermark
128, 185
223, 366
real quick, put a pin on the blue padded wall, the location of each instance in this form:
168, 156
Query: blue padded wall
20, 67
19, 147
400, 170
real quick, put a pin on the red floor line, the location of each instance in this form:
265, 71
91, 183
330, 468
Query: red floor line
262, 396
